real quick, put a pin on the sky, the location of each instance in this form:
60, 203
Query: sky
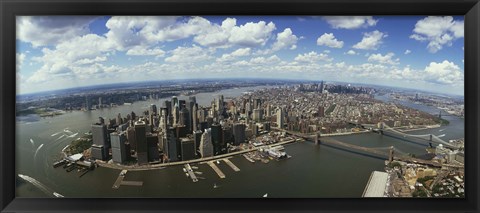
419, 52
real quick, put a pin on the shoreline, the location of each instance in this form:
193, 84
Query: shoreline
163, 165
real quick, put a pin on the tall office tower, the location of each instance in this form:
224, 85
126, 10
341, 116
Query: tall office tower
168, 105
194, 118
216, 132
192, 101
219, 104
269, 110
153, 109
174, 101
203, 125
266, 126
239, 133
171, 145
152, 147
248, 107
131, 138
280, 118
254, 129
227, 136
321, 87
197, 136
134, 116
206, 146
163, 119
187, 149
100, 102
182, 104
118, 147
119, 119
87, 103
141, 139
99, 137
258, 115
98, 153
184, 119
175, 114
257, 103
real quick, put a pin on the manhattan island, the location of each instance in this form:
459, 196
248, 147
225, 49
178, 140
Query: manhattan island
182, 132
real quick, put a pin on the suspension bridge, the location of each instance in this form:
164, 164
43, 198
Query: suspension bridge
389, 153
425, 139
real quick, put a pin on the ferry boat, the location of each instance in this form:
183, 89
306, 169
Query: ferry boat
57, 194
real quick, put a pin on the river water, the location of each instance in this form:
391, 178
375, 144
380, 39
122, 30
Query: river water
313, 171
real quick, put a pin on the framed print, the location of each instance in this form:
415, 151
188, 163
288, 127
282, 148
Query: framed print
232, 106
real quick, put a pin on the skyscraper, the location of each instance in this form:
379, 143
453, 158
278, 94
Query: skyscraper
194, 118
171, 145
141, 139
239, 133
206, 146
99, 137
187, 149
197, 137
153, 109
280, 118
216, 132
257, 115
118, 147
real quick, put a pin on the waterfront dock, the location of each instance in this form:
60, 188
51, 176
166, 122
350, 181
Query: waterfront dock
376, 185
190, 172
216, 169
119, 180
235, 168
248, 158
131, 183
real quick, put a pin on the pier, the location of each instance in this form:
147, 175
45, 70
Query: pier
216, 169
248, 158
190, 172
235, 168
120, 181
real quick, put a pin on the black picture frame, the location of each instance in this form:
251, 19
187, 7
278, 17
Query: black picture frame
11, 8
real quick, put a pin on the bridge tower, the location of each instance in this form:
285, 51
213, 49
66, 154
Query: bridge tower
431, 137
317, 138
440, 114
390, 154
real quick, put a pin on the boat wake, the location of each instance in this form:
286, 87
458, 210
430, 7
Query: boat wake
36, 183
61, 137
55, 134
31, 141
73, 135
440, 136
36, 152
441, 130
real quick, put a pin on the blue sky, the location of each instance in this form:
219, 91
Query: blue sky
58, 52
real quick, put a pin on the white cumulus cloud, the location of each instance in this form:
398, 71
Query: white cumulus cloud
370, 40
312, 57
384, 59
329, 40
350, 22
438, 31
445, 72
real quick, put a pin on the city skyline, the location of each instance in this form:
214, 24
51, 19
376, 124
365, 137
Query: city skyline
416, 52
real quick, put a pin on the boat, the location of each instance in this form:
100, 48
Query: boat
57, 194
215, 186
59, 163
184, 170
265, 195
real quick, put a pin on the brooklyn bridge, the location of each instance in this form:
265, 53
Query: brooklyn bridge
390, 153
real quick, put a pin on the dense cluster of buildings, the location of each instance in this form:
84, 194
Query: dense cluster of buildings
180, 130
309, 108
